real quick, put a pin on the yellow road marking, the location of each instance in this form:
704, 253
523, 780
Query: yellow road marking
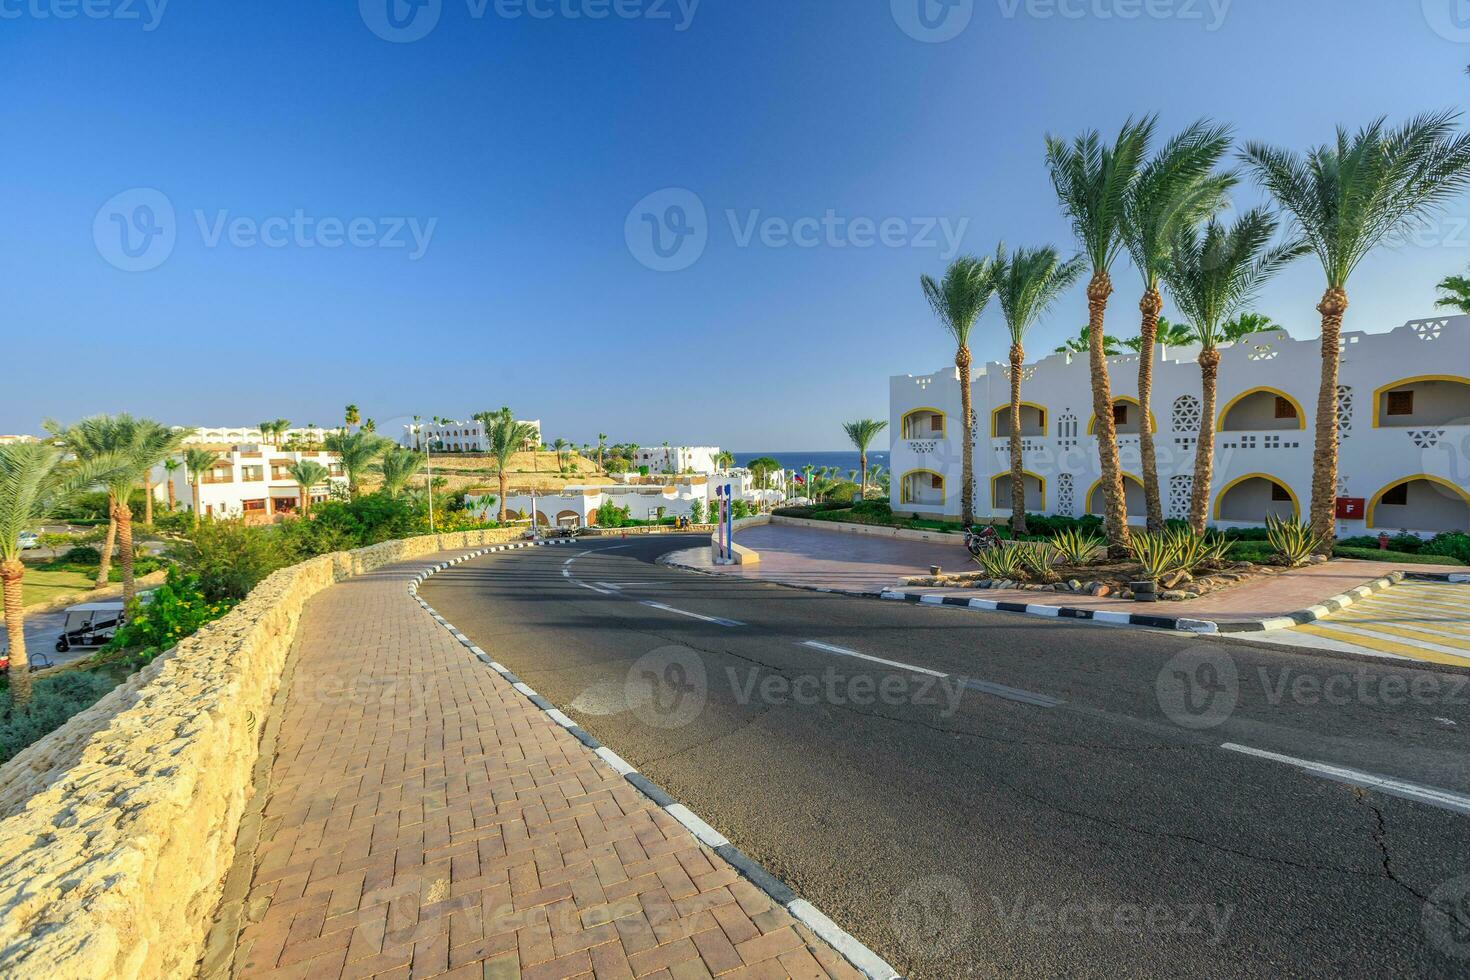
1384, 646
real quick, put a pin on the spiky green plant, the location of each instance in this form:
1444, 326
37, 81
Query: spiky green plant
1038, 559
1158, 555
397, 466
1076, 546
1217, 548
1001, 563
1291, 540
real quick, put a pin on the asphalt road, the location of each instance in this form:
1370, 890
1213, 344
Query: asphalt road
1058, 802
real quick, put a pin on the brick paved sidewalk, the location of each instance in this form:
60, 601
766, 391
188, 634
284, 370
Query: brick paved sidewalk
424, 819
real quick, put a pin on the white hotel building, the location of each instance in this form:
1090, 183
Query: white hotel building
250, 482
577, 506
1403, 412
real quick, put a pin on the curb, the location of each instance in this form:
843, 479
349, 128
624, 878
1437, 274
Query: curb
1182, 624
859, 955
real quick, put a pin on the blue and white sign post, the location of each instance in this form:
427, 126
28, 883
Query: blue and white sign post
729, 523
719, 523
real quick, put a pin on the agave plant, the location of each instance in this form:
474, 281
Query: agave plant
1037, 558
1002, 563
1292, 540
1076, 546
1157, 554
1217, 548
1189, 549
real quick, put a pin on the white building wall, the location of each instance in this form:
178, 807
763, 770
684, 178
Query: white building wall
248, 473
678, 459
1373, 458
457, 437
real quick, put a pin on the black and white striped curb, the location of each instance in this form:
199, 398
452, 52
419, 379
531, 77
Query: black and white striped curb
1455, 578
860, 956
1179, 623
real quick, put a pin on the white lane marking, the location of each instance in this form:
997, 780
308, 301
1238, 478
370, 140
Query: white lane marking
843, 651
1443, 799
610, 585
869, 962
984, 687
592, 587
717, 620
620, 766
696, 826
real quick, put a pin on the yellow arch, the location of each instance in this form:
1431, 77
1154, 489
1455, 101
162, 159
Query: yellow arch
1296, 504
995, 418
1301, 415
1378, 395
903, 423
1373, 501
903, 486
1153, 420
1087, 500
995, 486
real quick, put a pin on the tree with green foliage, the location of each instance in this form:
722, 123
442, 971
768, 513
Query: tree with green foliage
957, 301
861, 434
308, 474
504, 437
1242, 325
397, 466
1346, 198
1094, 183
198, 462
1027, 282
357, 453
1212, 274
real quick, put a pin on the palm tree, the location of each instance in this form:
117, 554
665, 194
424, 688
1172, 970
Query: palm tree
1455, 293
1177, 189
560, 447
357, 453
368, 425
170, 467
34, 483
397, 466
601, 445
351, 416
307, 473
1168, 334
89, 443
1242, 325
197, 462
668, 459
1082, 344
1212, 274
1094, 184
1027, 282
1346, 198
958, 301
279, 427
136, 446
505, 436
862, 433
725, 459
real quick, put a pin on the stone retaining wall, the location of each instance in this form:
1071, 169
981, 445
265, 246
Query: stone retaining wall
119, 827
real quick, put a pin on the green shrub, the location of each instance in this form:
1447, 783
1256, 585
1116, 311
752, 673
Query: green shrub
1076, 546
178, 608
1292, 541
1051, 525
873, 508
53, 701
1451, 544
1005, 562
696, 512
82, 555
1375, 554
230, 558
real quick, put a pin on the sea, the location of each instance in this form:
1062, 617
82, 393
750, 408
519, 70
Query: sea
843, 460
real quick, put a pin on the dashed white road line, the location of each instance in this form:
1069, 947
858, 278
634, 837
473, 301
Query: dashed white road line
844, 652
717, 620
984, 687
1443, 799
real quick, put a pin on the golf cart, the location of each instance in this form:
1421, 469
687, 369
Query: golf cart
89, 625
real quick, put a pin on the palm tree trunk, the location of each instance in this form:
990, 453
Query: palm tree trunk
148, 499
967, 427
172, 500
862, 480
504, 483
1324, 458
11, 572
124, 518
1204, 450
1018, 478
1115, 520
194, 491
104, 567
1149, 306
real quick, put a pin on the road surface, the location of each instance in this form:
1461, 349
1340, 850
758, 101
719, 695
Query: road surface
1005, 795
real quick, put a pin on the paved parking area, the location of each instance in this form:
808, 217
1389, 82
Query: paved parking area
1425, 621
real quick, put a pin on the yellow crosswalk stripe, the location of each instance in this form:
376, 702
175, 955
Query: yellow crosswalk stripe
1384, 645
1410, 631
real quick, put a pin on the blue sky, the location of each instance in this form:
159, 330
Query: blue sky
479, 186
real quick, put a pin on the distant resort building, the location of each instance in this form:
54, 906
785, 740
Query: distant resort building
458, 437
234, 436
16, 440
251, 482
649, 499
1403, 406
678, 459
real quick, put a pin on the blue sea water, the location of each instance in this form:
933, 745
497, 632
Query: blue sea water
844, 461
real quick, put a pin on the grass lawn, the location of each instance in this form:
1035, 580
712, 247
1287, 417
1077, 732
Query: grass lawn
40, 585
1374, 554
